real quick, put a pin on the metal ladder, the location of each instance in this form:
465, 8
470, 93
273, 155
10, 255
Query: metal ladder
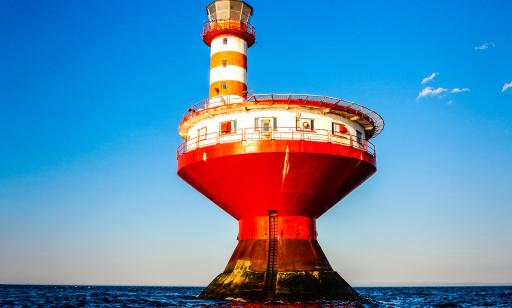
270, 287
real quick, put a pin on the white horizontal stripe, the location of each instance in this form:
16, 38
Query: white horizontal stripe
234, 44
230, 72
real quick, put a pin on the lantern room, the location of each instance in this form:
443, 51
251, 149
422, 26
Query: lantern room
229, 10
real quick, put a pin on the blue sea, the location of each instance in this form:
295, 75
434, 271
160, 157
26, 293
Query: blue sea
101, 296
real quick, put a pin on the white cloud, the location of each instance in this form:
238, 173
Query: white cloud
485, 46
506, 86
428, 91
429, 78
460, 90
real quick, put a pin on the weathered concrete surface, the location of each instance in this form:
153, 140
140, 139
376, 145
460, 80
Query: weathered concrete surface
303, 273
290, 286
313, 286
239, 283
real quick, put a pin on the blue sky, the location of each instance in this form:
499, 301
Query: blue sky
91, 93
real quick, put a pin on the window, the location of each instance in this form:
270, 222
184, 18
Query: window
228, 127
305, 124
223, 85
266, 125
359, 138
338, 129
225, 41
201, 133
224, 63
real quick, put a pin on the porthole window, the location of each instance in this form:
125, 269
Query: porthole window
305, 124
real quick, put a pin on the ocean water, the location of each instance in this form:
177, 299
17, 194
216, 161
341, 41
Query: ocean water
100, 296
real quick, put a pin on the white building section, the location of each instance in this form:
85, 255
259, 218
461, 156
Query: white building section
296, 124
229, 72
228, 43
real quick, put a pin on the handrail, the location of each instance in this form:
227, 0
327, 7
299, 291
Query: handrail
278, 133
226, 100
228, 24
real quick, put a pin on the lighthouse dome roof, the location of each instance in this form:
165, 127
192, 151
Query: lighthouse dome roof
229, 9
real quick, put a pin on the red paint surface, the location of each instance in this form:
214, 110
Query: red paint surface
247, 179
234, 27
289, 227
300, 179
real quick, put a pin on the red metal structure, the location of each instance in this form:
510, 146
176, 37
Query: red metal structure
275, 163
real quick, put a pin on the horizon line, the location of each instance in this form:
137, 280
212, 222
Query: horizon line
432, 285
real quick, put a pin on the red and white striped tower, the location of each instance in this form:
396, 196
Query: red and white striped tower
229, 35
275, 163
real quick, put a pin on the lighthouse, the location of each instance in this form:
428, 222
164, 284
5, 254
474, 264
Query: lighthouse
275, 163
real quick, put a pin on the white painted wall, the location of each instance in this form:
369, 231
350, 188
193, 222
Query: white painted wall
230, 72
286, 122
234, 44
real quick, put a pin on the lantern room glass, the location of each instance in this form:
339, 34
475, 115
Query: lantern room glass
229, 10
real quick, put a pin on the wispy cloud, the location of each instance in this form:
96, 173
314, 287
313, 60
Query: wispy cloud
429, 91
460, 90
429, 78
506, 86
439, 91
485, 46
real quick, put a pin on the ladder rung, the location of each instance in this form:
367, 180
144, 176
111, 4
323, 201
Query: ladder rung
272, 256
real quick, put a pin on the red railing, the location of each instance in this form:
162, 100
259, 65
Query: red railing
306, 99
228, 24
280, 133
